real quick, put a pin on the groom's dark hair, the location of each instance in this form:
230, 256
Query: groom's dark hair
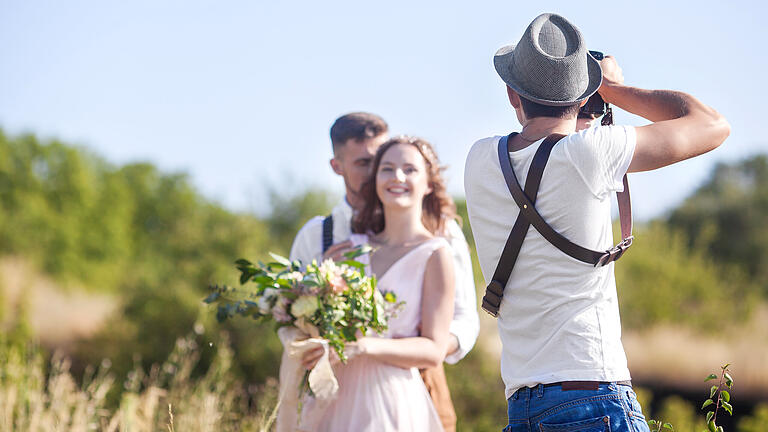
357, 126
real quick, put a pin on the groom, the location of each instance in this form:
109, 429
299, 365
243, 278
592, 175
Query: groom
562, 360
355, 137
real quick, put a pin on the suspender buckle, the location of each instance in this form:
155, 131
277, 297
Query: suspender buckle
494, 312
492, 298
615, 252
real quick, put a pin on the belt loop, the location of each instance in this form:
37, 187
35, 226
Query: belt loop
515, 394
613, 386
540, 390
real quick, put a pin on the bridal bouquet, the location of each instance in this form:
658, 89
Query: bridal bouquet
331, 300
323, 305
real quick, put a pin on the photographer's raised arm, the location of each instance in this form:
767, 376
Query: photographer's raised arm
683, 126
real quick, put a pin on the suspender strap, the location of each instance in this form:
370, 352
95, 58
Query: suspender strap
495, 290
327, 232
529, 216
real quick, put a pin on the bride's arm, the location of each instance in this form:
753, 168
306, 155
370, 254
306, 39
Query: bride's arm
429, 349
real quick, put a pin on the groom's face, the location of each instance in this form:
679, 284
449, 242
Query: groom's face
353, 161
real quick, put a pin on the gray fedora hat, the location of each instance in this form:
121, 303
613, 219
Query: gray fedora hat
550, 65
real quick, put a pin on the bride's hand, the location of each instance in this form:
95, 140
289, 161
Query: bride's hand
351, 350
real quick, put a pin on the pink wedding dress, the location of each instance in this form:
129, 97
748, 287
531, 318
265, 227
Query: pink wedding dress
375, 396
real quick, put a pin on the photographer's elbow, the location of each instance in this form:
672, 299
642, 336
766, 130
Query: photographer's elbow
725, 129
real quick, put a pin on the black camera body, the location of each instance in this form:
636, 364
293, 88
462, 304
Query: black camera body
595, 106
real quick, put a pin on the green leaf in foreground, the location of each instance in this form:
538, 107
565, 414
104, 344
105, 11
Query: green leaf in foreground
725, 395
728, 379
707, 403
712, 391
710, 377
728, 407
710, 415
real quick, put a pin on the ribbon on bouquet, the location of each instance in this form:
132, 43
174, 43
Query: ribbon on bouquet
296, 341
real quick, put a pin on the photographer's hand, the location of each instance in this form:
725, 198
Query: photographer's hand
612, 73
683, 127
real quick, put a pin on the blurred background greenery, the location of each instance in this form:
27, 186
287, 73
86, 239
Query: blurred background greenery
108, 265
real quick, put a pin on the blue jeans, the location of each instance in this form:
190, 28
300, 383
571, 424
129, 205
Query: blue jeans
612, 407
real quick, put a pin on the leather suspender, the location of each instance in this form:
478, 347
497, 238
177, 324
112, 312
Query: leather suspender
529, 216
327, 232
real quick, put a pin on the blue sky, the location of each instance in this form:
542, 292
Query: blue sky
240, 95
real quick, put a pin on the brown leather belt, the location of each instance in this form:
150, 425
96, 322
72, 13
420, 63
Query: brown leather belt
585, 385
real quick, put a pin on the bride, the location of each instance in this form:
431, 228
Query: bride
405, 212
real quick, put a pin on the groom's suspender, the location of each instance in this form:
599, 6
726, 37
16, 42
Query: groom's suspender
529, 216
327, 232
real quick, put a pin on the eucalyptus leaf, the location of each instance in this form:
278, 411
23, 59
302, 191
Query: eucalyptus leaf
358, 251
285, 262
352, 263
212, 297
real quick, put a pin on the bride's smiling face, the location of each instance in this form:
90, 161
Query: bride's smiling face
402, 179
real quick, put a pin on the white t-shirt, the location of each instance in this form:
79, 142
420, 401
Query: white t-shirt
559, 318
308, 245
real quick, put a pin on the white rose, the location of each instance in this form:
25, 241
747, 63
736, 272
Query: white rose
294, 276
268, 297
304, 306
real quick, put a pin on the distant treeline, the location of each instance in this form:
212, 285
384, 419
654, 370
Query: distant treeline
154, 241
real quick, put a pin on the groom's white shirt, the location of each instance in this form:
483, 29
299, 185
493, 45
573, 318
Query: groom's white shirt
308, 245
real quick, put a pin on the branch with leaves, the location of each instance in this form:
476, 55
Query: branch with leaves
723, 397
723, 401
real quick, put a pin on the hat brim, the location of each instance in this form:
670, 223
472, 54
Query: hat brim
502, 61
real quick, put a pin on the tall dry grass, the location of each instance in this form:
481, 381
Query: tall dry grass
167, 397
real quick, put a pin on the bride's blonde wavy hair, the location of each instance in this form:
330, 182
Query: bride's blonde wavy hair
437, 207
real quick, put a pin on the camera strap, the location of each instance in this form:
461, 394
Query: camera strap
530, 216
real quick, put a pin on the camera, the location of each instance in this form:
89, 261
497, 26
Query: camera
595, 106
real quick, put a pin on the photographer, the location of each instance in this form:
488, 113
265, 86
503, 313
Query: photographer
562, 360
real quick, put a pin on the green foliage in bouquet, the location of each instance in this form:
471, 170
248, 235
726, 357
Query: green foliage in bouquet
332, 300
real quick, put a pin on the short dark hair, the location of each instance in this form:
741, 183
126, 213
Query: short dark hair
357, 126
533, 109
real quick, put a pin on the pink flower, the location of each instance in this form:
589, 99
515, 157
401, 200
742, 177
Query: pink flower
338, 283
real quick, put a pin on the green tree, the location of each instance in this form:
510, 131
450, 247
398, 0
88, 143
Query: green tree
662, 280
728, 217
